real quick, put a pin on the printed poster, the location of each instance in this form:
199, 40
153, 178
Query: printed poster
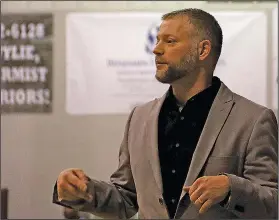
26, 63
110, 65
275, 60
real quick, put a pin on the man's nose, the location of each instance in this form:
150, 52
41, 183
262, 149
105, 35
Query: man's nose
158, 50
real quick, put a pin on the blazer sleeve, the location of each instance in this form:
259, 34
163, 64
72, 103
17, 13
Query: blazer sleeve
255, 195
116, 198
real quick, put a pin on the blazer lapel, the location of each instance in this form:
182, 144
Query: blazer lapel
217, 116
151, 134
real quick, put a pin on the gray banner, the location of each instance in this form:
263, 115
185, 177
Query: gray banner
26, 63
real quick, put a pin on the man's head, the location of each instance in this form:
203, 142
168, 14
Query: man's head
188, 40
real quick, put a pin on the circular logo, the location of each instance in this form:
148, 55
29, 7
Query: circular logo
151, 38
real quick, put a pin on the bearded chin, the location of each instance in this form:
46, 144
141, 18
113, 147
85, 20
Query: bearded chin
186, 67
174, 73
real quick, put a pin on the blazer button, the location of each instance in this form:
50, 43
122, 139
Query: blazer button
161, 201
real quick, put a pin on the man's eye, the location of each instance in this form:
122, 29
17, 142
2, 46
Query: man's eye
171, 41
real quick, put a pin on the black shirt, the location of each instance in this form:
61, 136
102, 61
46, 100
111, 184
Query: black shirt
179, 131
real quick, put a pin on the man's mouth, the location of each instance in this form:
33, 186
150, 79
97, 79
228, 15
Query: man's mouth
160, 63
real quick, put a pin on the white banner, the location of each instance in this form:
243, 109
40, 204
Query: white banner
110, 65
275, 60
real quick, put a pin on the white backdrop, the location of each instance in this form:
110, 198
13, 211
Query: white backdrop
110, 66
275, 59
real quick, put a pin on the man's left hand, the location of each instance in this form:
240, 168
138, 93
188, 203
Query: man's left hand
207, 191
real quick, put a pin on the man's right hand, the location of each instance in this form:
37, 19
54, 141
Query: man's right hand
72, 185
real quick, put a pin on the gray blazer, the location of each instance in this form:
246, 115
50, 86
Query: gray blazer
240, 139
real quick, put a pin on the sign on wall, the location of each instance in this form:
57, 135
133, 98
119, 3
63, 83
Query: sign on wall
110, 66
26, 63
275, 78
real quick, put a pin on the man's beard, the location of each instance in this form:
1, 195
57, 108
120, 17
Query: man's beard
186, 66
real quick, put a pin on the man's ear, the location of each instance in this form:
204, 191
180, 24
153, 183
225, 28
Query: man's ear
204, 49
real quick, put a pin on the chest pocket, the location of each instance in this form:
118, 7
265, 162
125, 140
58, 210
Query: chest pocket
216, 165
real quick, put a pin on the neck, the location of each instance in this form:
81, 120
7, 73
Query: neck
185, 88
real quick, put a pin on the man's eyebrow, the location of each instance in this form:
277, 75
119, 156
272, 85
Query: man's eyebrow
164, 35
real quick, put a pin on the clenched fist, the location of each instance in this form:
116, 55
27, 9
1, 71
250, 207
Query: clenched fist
208, 190
72, 185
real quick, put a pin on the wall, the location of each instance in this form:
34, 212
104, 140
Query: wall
35, 148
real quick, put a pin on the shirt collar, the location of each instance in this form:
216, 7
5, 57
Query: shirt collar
209, 92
